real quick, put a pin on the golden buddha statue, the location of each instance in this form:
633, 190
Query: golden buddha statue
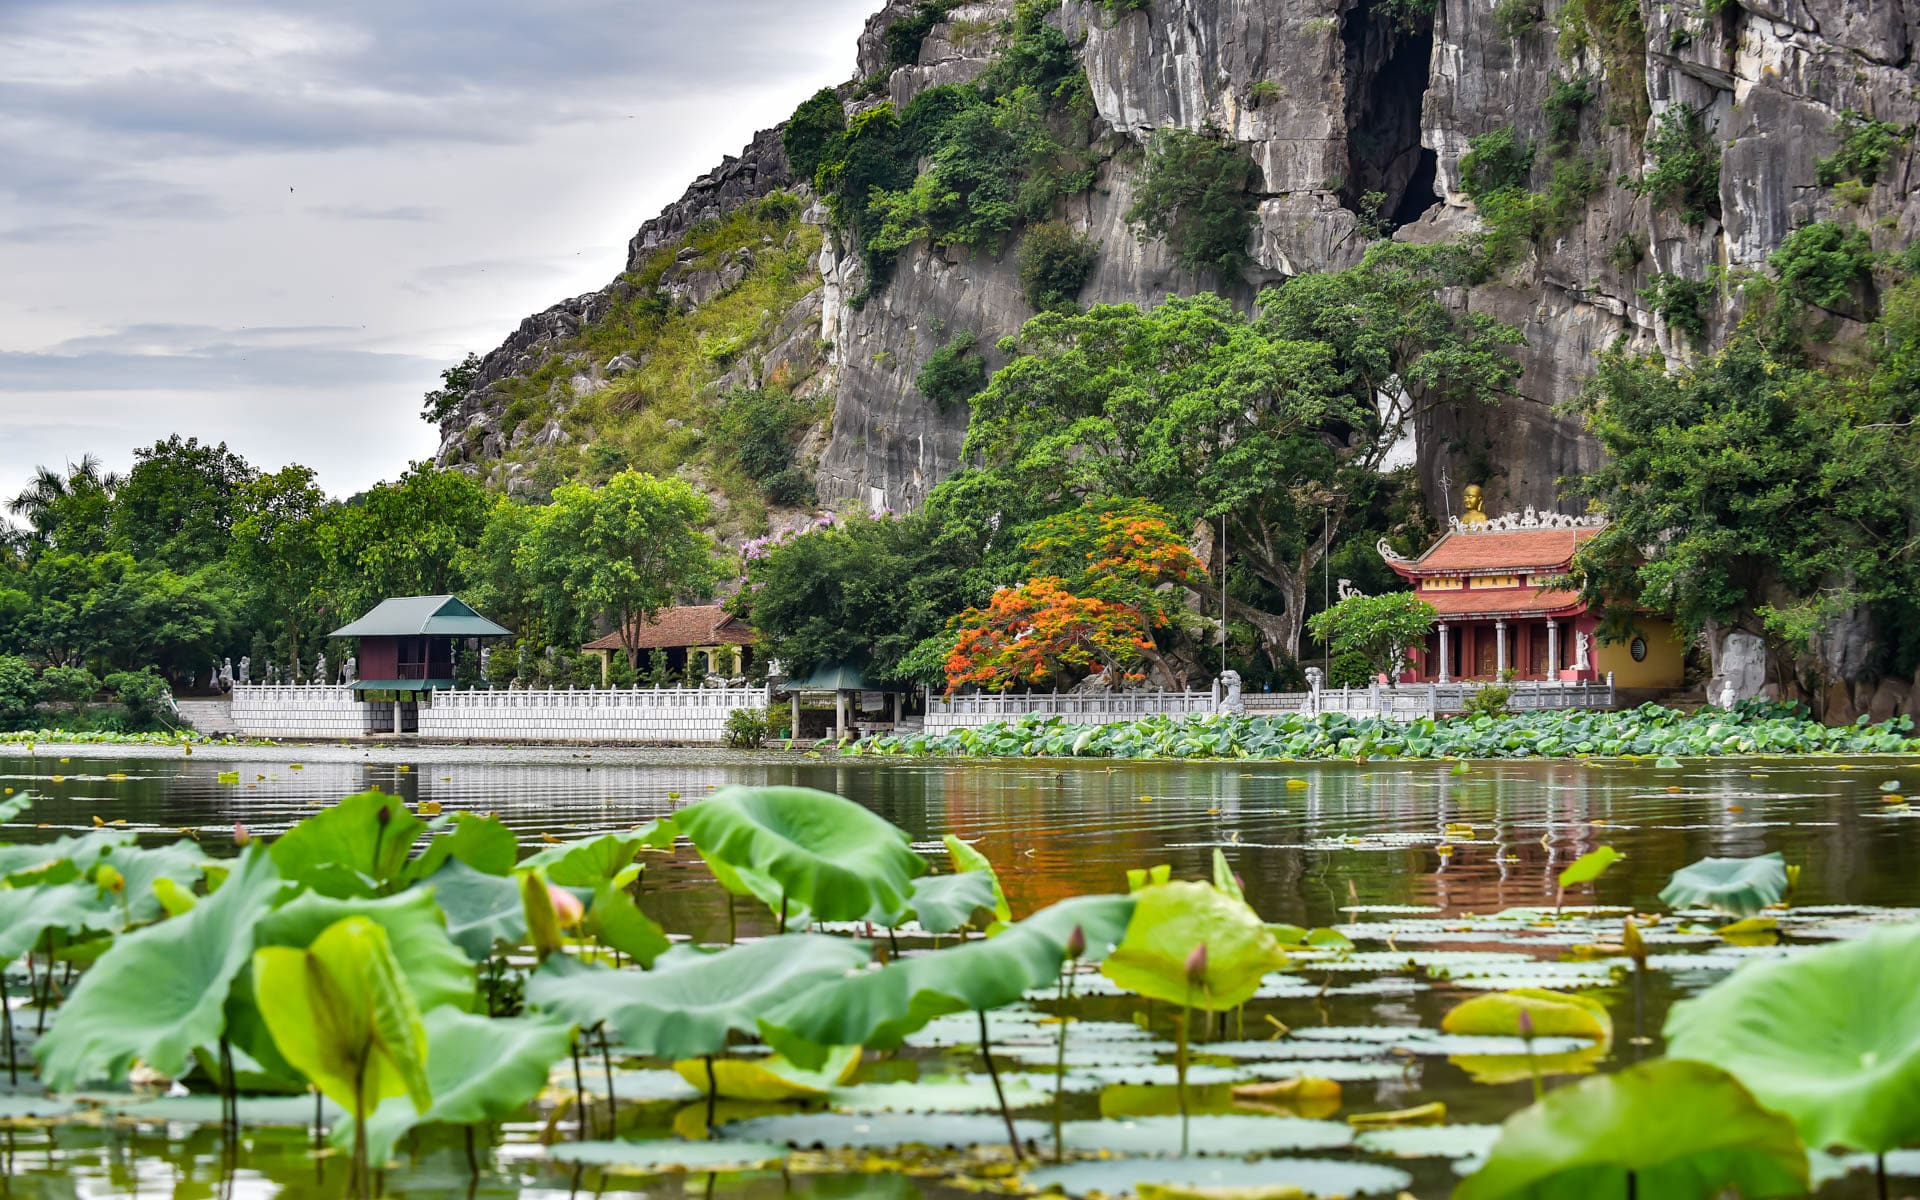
1476, 513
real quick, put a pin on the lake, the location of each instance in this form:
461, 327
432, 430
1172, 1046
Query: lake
1409, 858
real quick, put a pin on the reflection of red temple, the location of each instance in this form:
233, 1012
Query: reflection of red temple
1491, 581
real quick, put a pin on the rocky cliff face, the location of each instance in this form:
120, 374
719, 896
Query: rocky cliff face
1357, 114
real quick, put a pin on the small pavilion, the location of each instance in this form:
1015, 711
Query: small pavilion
407, 644
683, 634
852, 692
1497, 585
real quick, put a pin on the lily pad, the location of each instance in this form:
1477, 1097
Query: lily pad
1313, 1176
1739, 887
770, 1077
294, 1111
970, 1093
669, 1157
1549, 1014
1169, 921
34, 1108
880, 1131
1234, 1135
1429, 1141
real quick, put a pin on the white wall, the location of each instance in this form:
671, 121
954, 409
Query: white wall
630, 715
306, 711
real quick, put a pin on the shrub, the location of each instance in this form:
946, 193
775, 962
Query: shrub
1262, 91
953, 374
1518, 18
74, 685
620, 672
1617, 31
1193, 193
1349, 670
1495, 162
1381, 629
814, 127
1566, 101
1490, 700
758, 427
141, 693
746, 729
1626, 252
1820, 263
1683, 302
1055, 263
466, 669
1865, 147
1120, 8
1686, 165
791, 488
905, 36
19, 691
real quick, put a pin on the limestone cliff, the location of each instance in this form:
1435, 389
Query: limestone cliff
1357, 114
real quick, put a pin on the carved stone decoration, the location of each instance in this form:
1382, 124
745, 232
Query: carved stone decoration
246, 669
1528, 520
1391, 555
1231, 701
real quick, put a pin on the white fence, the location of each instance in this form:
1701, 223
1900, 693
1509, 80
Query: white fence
1404, 703
300, 710
600, 715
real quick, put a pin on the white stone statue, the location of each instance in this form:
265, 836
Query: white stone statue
226, 675
213, 675
1729, 695
1230, 700
1582, 651
486, 663
320, 669
350, 670
1315, 678
246, 669
272, 673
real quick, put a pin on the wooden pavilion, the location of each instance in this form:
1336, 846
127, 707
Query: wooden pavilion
407, 644
691, 631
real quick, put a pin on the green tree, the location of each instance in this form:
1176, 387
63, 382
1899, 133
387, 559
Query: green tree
1194, 193
1381, 629
72, 511
618, 554
456, 382
179, 503
814, 127
276, 549
404, 538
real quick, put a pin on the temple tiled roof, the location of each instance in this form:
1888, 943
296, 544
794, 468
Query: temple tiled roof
677, 628
1503, 602
1509, 546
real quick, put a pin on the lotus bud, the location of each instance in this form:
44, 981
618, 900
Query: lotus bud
566, 907
1076, 944
1634, 944
1197, 965
543, 924
242, 836
384, 815
110, 879
1526, 1024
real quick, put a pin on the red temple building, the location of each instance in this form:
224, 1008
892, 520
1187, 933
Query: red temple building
1494, 585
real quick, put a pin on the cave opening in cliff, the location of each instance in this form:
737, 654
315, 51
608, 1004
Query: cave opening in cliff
1389, 55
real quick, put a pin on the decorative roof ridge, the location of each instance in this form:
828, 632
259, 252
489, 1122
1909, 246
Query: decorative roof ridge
1529, 520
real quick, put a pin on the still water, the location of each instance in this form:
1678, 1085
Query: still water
1315, 845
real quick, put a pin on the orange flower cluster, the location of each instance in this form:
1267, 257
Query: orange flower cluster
1038, 631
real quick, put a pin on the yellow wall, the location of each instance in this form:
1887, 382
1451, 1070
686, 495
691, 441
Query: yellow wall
1665, 665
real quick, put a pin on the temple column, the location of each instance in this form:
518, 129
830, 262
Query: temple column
1500, 649
1553, 649
1445, 658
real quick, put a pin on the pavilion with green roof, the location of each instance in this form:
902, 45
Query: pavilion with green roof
407, 644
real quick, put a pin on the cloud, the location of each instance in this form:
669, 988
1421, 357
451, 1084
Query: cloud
186, 357
51, 232
362, 212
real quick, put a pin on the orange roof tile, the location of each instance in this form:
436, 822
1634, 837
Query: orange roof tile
1518, 550
1503, 602
688, 625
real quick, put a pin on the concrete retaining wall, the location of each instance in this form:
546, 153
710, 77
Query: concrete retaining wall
632, 715
306, 711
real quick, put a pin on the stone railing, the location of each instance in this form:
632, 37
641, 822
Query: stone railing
597, 715
969, 712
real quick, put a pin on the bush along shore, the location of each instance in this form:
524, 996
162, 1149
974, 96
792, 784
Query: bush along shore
1649, 730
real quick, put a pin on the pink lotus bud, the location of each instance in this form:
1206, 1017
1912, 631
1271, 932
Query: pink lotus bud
1076, 943
1526, 1024
1197, 965
241, 834
566, 906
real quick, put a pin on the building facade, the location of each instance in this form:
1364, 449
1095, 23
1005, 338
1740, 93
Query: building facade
722, 642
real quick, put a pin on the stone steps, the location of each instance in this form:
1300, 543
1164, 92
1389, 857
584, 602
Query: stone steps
211, 717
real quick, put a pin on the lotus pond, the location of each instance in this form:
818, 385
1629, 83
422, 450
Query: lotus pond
1382, 978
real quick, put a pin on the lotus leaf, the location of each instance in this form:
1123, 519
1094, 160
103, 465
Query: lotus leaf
842, 862
954, 1131
1551, 1014
1223, 877
482, 910
478, 1070
1830, 1037
968, 1093
1739, 887
589, 862
1217, 1177
685, 1006
343, 1016
879, 1008
669, 1157
946, 903
965, 858
1589, 866
26, 913
1708, 1137
1429, 1141
769, 1078
159, 992
356, 848
33, 1108
437, 971
482, 843
617, 922
1236, 1135
1169, 920
61, 860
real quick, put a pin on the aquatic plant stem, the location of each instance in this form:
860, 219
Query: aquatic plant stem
579, 1095
713, 1094
473, 1160
993, 1073
6, 1014
1180, 1069
1060, 1068
229, 1092
733, 930
606, 1066
1880, 1173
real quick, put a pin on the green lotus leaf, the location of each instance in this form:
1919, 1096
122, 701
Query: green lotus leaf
478, 1070
160, 991
1223, 877
768, 1077
26, 913
1219, 1178
946, 903
686, 1005
62, 860
1240, 1136
343, 1017
483, 843
1685, 1130
482, 910
878, 1009
1169, 921
437, 971
589, 862
966, 858
1589, 866
617, 922
1551, 1014
876, 1131
1830, 1037
16, 807
842, 862
1739, 887
964, 1093
669, 1156
355, 848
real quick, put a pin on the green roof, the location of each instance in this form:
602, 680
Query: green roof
839, 677
417, 616
403, 685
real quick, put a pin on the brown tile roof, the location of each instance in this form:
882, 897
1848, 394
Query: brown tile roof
1503, 602
677, 628
1518, 550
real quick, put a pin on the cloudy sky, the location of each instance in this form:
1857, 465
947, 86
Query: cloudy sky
273, 222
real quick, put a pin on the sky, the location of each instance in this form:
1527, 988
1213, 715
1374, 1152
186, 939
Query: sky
274, 222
